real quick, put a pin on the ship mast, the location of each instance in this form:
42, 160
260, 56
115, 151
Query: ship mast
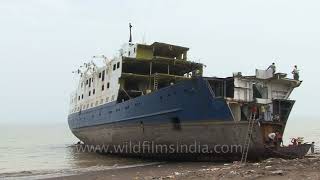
130, 37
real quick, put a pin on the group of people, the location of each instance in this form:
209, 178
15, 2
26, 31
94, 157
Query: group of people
296, 142
295, 70
275, 139
263, 112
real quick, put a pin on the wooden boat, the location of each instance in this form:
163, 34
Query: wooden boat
290, 152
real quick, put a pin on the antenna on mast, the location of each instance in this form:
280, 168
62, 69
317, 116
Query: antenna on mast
130, 38
144, 38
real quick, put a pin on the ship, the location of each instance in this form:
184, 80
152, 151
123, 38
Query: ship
152, 95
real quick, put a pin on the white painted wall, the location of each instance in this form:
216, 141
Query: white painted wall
101, 96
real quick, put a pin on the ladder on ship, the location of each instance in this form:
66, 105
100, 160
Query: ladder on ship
245, 148
155, 82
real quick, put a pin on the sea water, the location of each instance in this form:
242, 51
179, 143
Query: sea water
40, 151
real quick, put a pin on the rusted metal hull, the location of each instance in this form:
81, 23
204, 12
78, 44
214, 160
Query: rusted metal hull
223, 140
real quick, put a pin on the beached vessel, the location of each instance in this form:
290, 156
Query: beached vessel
153, 95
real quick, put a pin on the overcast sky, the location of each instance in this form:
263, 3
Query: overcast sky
43, 41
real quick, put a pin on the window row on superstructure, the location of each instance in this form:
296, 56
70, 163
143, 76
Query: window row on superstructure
98, 88
94, 91
101, 76
93, 104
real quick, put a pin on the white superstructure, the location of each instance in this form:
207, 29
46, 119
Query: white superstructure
97, 85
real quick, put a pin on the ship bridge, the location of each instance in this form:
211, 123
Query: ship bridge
147, 68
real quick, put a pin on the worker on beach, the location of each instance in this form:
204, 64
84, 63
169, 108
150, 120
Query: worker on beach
273, 67
279, 138
295, 73
312, 148
294, 141
271, 137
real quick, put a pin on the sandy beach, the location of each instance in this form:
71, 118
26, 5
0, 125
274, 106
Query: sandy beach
306, 168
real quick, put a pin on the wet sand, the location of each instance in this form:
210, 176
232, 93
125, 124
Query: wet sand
306, 168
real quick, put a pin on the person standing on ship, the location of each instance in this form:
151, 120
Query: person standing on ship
268, 114
273, 67
254, 112
263, 113
295, 73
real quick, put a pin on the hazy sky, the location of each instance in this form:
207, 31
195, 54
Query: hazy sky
42, 42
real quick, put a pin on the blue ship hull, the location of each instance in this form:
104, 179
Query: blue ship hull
184, 113
190, 101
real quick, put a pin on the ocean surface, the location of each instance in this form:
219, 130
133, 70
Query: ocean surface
40, 151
